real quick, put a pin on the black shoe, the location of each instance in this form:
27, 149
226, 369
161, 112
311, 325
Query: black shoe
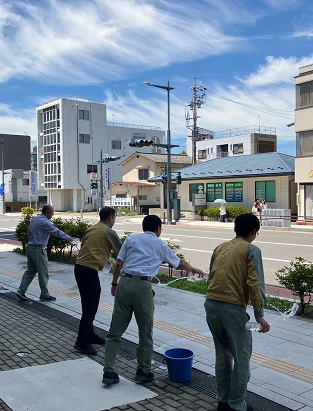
50, 298
21, 296
85, 349
95, 339
110, 378
144, 377
223, 406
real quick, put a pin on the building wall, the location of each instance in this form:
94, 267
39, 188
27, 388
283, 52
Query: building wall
304, 137
65, 167
285, 192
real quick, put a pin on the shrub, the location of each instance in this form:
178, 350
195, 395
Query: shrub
299, 279
213, 213
21, 230
27, 211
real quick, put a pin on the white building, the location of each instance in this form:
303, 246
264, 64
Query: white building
233, 142
72, 132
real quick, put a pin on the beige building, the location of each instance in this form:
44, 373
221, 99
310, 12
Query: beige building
137, 169
304, 140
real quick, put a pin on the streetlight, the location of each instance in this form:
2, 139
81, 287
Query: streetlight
168, 167
2, 163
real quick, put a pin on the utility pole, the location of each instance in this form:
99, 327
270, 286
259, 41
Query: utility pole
198, 99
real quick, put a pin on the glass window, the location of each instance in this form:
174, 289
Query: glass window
195, 189
25, 182
238, 148
202, 154
234, 192
266, 190
84, 138
116, 144
142, 197
83, 114
92, 168
214, 191
143, 174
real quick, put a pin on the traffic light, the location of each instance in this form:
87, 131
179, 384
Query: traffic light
140, 143
178, 178
93, 185
114, 158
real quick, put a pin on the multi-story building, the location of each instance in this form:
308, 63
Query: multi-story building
233, 142
304, 142
74, 139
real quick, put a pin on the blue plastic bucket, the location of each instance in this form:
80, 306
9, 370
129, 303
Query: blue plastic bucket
179, 364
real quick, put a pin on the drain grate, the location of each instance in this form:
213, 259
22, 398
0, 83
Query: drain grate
125, 355
203, 390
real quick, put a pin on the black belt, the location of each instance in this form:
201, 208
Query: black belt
143, 277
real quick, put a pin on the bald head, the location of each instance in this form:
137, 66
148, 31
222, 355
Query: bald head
48, 211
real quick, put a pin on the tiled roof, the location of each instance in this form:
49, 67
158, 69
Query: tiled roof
133, 183
162, 158
244, 166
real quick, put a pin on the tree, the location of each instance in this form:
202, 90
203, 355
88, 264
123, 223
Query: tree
298, 278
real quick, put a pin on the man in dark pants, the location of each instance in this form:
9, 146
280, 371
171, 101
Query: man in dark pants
95, 252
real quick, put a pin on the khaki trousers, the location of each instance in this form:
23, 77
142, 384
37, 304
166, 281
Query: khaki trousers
133, 295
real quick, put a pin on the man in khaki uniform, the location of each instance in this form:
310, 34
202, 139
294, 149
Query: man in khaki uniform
95, 252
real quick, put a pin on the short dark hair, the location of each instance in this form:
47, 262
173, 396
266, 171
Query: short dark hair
46, 208
151, 223
106, 212
245, 223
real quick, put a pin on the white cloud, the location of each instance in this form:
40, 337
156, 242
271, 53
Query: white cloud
275, 71
100, 40
15, 121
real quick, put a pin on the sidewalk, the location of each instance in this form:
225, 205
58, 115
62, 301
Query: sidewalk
53, 376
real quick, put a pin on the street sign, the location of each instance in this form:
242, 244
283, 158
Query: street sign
107, 178
33, 182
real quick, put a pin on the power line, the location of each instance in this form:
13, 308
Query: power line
269, 111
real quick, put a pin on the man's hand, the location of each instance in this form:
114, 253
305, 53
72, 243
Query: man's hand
113, 290
197, 271
265, 325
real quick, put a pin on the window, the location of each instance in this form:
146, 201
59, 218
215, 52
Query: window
238, 148
116, 144
84, 138
234, 191
142, 197
214, 191
306, 94
92, 168
266, 190
143, 174
25, 182
83, 114
304, 141
195, 189
121, 196
202, 154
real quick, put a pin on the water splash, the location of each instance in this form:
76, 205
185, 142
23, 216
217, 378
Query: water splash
192, 278
286, 314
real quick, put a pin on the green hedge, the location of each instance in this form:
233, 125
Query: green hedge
232, 212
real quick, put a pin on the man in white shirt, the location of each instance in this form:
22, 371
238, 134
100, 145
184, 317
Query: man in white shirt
137, 263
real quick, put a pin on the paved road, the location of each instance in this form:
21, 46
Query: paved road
198, 240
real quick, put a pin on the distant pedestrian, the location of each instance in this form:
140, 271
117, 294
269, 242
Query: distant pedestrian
137, 263
95, 252
223, 213
235, 278
39, 231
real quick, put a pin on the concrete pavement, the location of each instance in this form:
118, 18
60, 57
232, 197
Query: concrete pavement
281, 366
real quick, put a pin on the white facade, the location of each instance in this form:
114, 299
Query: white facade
234, 142
72, 132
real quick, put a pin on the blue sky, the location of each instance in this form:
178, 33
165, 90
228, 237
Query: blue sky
240, 50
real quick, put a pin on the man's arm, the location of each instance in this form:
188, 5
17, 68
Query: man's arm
116, 273
183, 265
